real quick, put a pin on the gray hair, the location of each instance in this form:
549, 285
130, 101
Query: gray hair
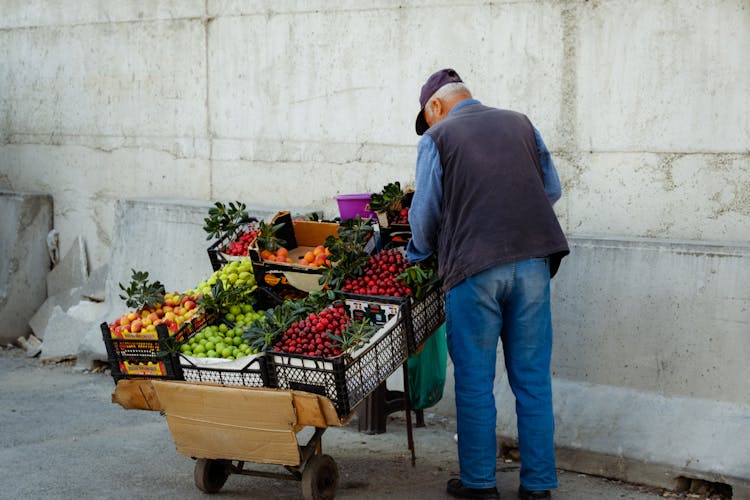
450, 89
445, 91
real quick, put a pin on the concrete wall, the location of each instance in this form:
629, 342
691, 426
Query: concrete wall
650, 362
643, 103
25, 221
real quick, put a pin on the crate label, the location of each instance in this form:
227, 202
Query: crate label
376, 312
153, 369
275, 278
142, 335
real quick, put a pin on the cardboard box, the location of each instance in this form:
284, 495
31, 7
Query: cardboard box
233, 423
301, 237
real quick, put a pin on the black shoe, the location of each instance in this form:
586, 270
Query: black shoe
525, 494
457, 489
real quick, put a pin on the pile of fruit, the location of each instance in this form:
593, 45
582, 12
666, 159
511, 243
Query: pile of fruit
241, 315
238, 273
402, 216
325, 334
238, 247
281, 255
218, 341
310, 336
381, 276
173, 312
317, 257
153, 307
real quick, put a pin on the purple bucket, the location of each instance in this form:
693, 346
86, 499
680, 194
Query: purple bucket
351, 205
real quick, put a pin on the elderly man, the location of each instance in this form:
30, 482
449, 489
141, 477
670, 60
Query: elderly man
485, 185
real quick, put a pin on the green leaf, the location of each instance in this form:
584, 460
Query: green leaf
140, 292
225, 220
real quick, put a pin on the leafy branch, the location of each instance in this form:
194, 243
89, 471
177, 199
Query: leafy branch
222, 298
263, 333
267, 239
348, 254
140, 292
225, 219
420, 279
355, 333
387, 200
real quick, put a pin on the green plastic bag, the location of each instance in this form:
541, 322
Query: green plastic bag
427, 371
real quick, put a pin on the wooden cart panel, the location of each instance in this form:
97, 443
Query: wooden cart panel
239, 423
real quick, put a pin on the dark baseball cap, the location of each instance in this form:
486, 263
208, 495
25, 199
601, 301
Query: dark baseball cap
433, 84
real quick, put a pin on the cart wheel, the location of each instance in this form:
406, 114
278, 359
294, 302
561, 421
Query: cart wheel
210, 475
320, 479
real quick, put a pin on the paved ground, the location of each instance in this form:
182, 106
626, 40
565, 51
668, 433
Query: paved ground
61, 437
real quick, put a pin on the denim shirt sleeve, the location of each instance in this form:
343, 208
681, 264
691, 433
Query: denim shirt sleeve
424, 213
549, 172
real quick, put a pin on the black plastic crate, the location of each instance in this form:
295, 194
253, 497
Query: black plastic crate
424, 317
345, 380
421, 318
215, 255
142, 358
253, 374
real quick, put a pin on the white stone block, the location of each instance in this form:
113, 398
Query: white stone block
663, 76
36, 13
62, 300
71, 272
94, 289
142, 79
307, 75
63, 335
88, 311
323, 181
87, 182
653, 315
25, 220
695, 197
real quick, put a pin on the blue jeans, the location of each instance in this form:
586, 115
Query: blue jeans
510, 302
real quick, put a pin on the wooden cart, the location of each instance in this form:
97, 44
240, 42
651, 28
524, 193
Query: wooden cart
223, 428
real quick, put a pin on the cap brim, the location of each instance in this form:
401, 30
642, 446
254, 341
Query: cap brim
421, 124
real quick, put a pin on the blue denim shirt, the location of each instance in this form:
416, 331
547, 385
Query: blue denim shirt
424, 214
